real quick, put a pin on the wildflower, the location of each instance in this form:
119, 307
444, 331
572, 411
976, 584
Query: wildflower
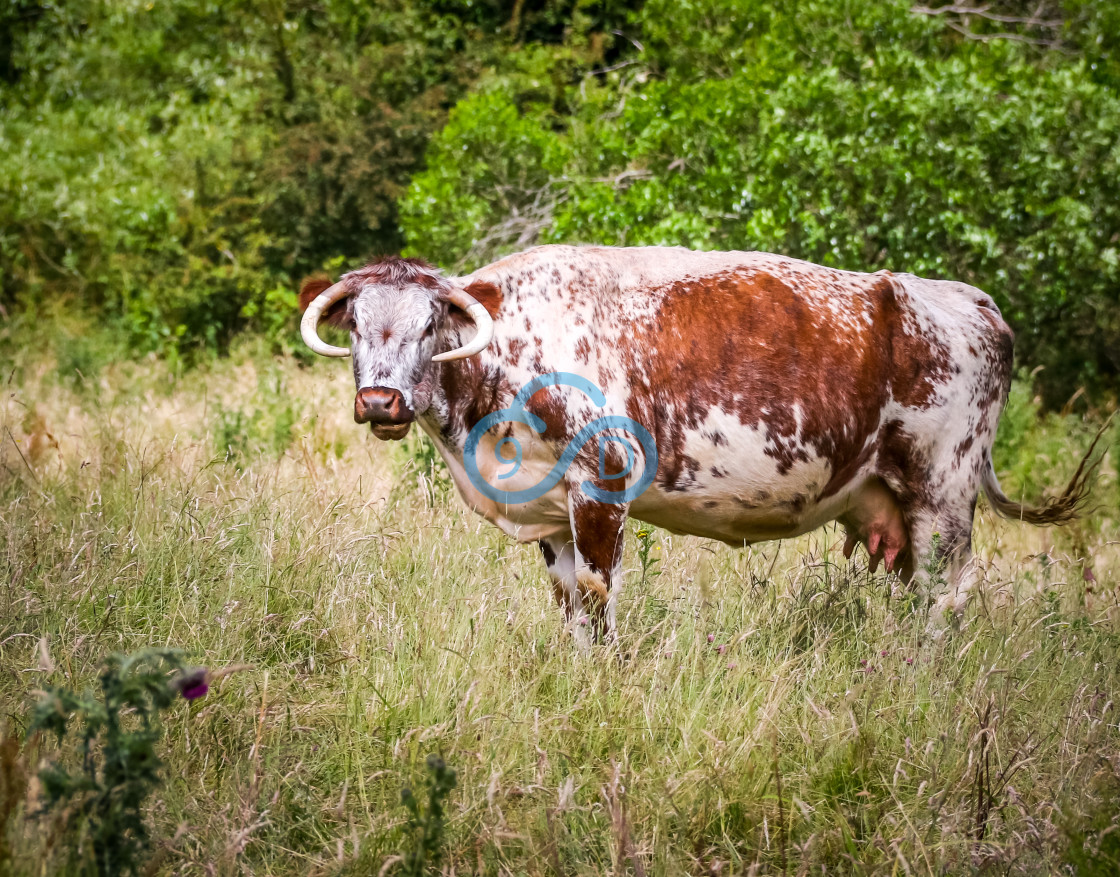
732, 666
909, 660
884, 653
711, 637
193, 684
583, 621
721, 649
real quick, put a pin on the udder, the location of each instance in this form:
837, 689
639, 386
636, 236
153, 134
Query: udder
875, 519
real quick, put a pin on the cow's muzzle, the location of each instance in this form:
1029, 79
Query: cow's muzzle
385, 410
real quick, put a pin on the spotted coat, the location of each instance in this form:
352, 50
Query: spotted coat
781, 395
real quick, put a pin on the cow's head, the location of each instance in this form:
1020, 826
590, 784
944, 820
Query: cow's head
401, 314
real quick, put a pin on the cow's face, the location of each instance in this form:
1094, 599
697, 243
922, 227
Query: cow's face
402, 315
392, 341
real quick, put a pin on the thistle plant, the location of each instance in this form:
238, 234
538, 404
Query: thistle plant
425, 825
99, 800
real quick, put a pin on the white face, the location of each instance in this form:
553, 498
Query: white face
393, 340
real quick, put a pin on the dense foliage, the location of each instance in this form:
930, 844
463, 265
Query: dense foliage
857, 134
176, 167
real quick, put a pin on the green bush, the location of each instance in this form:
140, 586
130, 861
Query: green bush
176, 168
860, 135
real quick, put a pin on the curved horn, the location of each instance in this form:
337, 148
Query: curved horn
309, 325
482, 322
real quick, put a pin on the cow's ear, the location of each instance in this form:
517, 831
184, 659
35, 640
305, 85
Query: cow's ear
337, 315
486, 294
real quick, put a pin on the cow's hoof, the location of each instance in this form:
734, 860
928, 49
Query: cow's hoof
946, 615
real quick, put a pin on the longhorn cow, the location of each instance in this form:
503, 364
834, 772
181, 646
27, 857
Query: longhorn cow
780, 395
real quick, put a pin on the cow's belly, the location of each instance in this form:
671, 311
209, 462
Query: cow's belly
737, 509
736, 491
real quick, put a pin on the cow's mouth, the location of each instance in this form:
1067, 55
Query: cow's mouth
390, 431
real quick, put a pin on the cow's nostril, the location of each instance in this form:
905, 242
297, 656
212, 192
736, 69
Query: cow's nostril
381, 405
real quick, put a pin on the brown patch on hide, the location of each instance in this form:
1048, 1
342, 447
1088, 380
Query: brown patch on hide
516, 348
778, 358
548, 405
904, 464
599, 534
612, 464
919, 364
962, 448
471, 392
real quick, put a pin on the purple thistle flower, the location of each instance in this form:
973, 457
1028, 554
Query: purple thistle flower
193, 684
711, 637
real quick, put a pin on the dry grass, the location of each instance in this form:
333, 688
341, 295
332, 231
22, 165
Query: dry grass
776, 710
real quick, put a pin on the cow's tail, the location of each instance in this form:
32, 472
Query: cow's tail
1057, 511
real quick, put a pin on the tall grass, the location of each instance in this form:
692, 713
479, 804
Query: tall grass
774, 710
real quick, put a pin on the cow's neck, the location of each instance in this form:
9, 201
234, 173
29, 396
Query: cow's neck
466, 391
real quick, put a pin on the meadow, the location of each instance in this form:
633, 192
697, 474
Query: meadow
769, 710
175, 471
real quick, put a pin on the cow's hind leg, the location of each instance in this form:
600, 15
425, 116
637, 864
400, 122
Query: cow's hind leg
941, 552
936, 478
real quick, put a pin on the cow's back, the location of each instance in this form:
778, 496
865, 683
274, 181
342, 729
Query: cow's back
764, 380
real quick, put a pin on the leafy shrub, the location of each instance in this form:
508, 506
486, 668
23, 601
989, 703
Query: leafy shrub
100, 801
176, 168
862, 136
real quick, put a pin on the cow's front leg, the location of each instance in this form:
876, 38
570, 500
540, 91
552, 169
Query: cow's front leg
586, 569
599, 529
559, 554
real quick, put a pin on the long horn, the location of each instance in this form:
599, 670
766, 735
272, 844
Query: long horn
309, 325
482, 322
